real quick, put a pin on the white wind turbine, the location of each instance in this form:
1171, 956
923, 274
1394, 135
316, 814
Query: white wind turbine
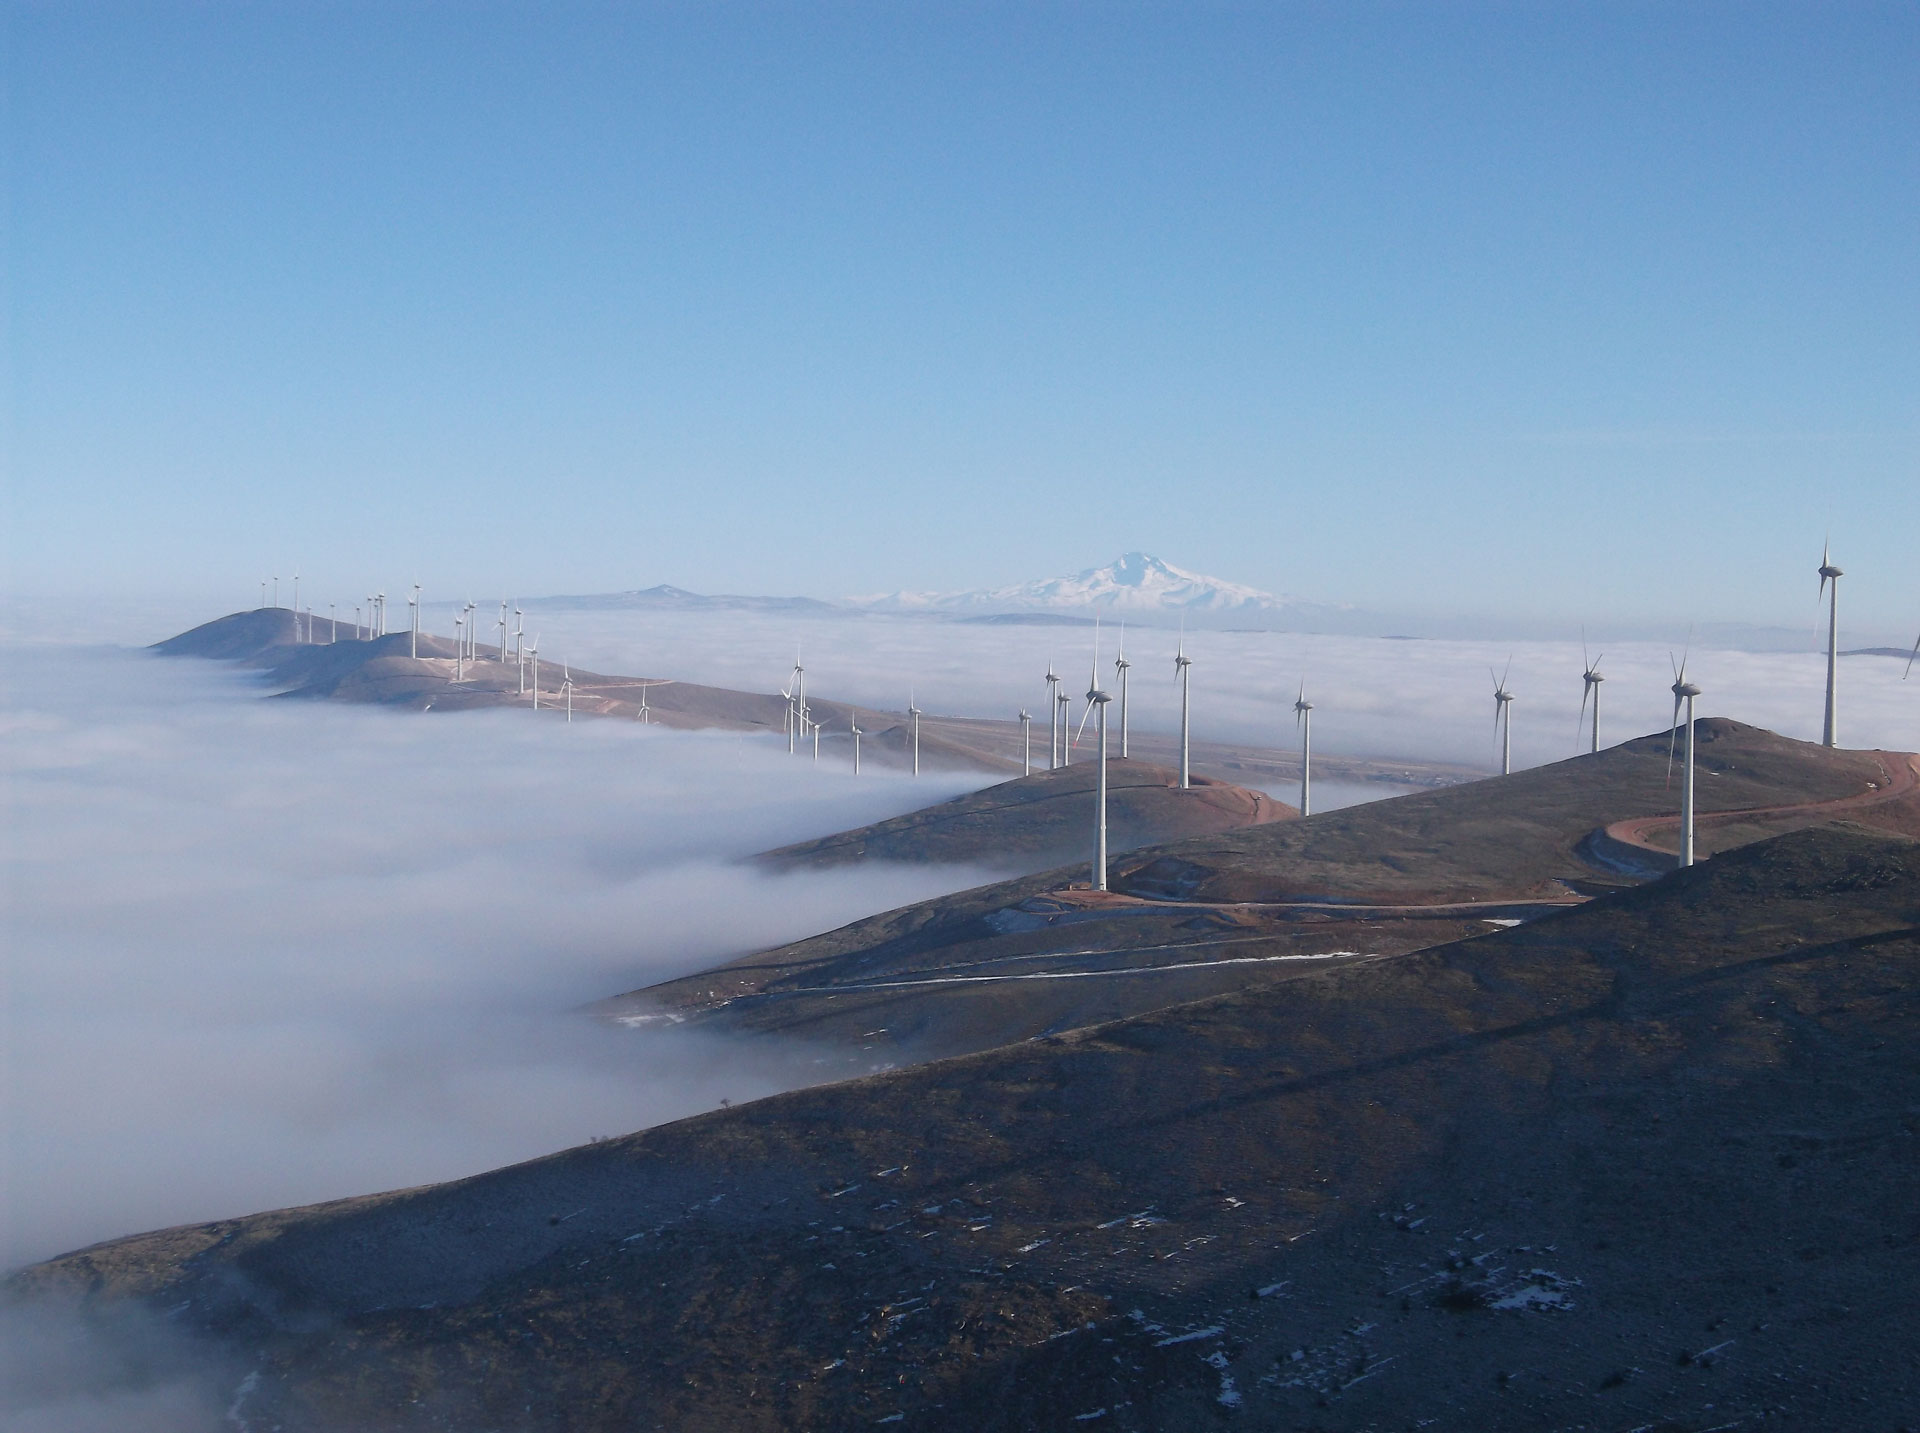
566, 688
799, 693
1065, 705
1303, 719
796, 716
333, 626
1121, 666
1053, 718
1590, 688
502, 625
413, 622
356, 621
1830, 573
1503, 717
1183, 673
533, 664
296, 594
1026, 742
276, 590
1097, 702
459, 645
915, 713
1683, 691
381, 599
854, 723
646, 712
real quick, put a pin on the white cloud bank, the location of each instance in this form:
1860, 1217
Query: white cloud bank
268, 952
1374, 696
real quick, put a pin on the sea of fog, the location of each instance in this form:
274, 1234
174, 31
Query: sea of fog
1426, 699
264, 952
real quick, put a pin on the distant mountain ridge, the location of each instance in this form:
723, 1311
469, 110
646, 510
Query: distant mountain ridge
1136, 583
678, 599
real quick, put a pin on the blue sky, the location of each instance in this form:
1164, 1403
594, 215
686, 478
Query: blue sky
1607, 312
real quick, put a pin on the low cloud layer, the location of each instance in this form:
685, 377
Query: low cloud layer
1429, 700
267, 952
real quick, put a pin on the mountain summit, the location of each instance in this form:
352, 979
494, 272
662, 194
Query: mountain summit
1136, 582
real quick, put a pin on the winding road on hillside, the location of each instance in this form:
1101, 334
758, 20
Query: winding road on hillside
1901, 772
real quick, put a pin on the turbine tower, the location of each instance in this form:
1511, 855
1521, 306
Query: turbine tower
1830, 573
1303, 719
502, 625
459, 645
646, 712
533, 662
1053, 719
566, 688
333, 626
413, 622
1591, 680
1684, 691
1064, 704
1026, 742
1503, 717
276, 590
296, 596
1121, 666
854, 723
1097, 702
1183, 673
914, 712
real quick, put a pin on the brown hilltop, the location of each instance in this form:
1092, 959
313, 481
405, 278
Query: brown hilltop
1044, 819
1040, 954
381, 670
1649, 1162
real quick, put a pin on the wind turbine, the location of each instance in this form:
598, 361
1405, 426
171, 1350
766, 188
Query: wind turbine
1097, 702
1830, 573
799, 693
1053, 718
854, 722
1120, 667
413, 622
533, 661
1183, 673
1503, 717
356, 621
566, 688
1683, 691
914, 712
381, 599
296, 595
1591, 680
816, 741
276, 590
502, 625
1026, 742
459, 645
646, 712
1916, 653
333, 626
1303, 719
1065, 705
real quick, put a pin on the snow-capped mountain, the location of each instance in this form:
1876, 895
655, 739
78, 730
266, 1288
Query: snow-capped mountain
1136, 583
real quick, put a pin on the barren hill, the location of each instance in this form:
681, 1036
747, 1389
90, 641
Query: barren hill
1041, 954
1646, 1163
382, 670
1045, 819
